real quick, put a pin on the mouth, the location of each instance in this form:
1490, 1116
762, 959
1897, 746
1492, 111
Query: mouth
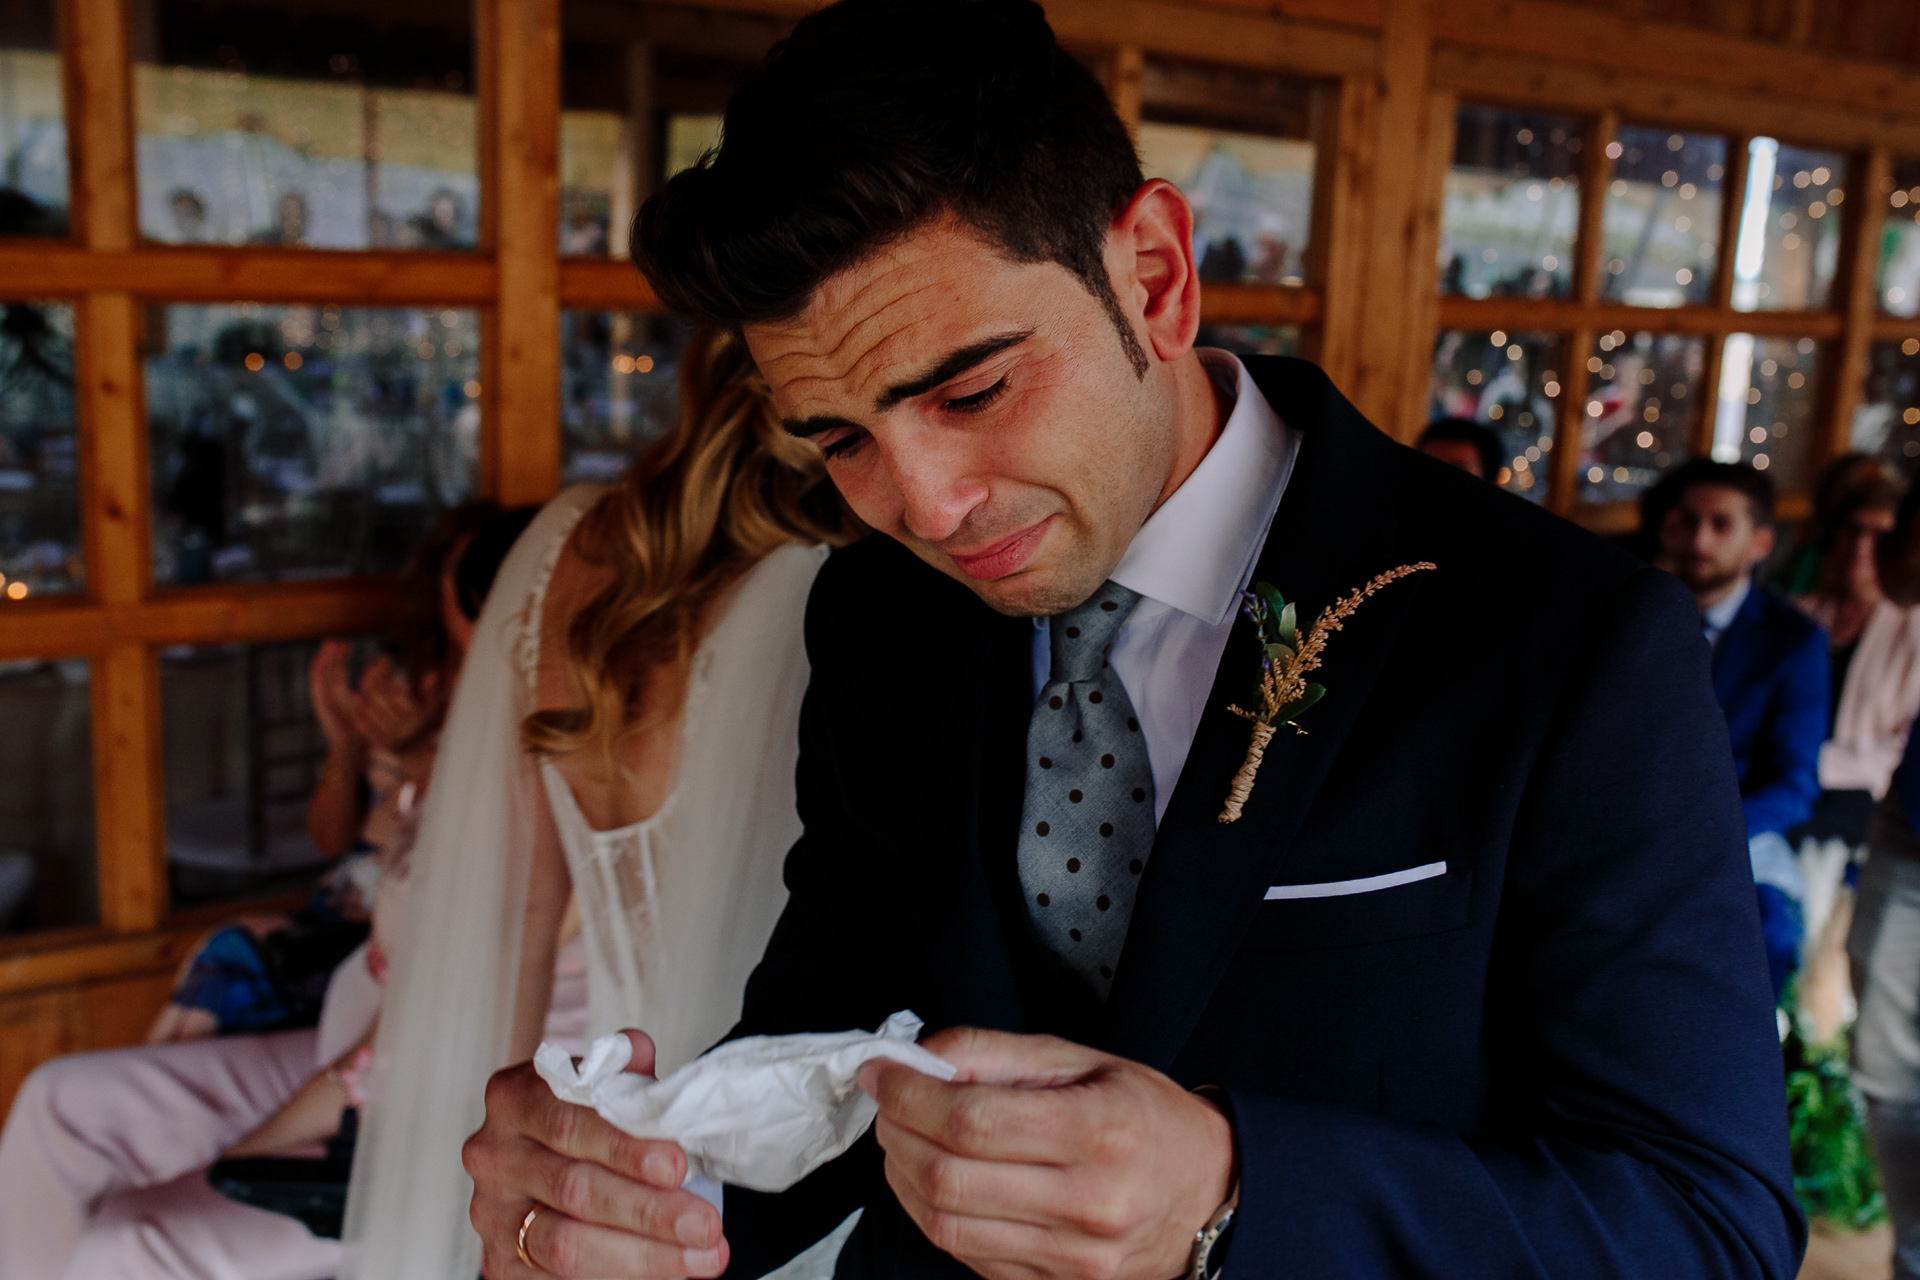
1004, 557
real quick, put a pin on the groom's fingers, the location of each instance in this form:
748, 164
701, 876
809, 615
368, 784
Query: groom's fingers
1000, 1057
565, 1247
594, 1195
981, 1121
1039, 1195
521, 1103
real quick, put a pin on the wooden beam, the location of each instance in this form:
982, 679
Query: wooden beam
604, 284
129, 787
1563, 490
1126, 64
251, 274
1341, 191
1389, 344
113, 449
522, 385
1428, 184
1859, 298
100, 128
33, 963
1610, 42
1259, 304
1555, 313
200, 615
1569, 85
1596, 170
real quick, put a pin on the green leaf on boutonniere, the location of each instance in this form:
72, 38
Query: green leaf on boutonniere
1299, 705
1271, 597
1279, 653
1288, 623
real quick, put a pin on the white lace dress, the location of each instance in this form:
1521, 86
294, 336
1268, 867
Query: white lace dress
675, 910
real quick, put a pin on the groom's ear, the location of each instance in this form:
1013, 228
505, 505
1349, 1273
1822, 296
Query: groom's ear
1150, 255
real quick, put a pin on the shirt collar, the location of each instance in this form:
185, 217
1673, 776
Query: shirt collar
1196, 552
1721, 615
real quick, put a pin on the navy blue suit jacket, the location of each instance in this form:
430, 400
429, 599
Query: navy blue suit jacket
1556, 1059
1771, 675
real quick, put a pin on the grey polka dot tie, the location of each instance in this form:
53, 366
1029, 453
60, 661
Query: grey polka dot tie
1087, 826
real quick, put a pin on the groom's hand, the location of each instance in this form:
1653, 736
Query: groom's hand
610, 1204
1046, 1159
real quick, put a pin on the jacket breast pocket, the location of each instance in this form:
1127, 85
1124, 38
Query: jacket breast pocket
1415, 909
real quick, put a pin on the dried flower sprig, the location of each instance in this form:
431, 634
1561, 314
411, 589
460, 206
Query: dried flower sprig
1286, 657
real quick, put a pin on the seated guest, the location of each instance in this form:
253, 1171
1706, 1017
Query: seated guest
1769, 673
1873, 647
1884, 946
103, 1155
1471, 446
267, 972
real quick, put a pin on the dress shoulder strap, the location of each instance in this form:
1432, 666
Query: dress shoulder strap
555, 524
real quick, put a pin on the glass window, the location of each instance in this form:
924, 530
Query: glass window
1887, 422
642, 91
1764, 413
1660, 230
1510, 382
242, 753
619, 388
40, 550
33, 123
1251, 339
263, 123
1643, 400
1241, 145
295, 441
1789, 243
46, 797
1899, 266
1512, 206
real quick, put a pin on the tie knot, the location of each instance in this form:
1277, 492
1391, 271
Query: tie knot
1081, 636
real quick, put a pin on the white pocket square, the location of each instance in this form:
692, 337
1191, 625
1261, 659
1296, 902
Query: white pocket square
1370, 884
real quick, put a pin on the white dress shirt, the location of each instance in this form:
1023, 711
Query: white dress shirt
1190, 562
1715, 621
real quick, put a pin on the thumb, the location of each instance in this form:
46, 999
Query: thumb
644, 1053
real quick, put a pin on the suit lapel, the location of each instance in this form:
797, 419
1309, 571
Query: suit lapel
955, 810
1333, 532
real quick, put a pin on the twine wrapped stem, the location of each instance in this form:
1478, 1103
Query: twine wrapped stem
1243, 781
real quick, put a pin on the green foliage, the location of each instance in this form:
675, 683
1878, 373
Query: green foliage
1833, 1173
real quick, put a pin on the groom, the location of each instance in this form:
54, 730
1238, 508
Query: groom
1473, 987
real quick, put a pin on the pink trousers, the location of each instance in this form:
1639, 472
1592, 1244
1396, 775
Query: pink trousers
103, 1156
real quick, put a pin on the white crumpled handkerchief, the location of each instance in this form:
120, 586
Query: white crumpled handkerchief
761, 1112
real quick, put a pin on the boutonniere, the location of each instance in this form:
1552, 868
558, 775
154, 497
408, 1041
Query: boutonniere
1285, 659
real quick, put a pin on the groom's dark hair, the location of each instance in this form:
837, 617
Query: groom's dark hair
872, 118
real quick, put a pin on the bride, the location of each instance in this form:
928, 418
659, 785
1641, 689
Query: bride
624, 736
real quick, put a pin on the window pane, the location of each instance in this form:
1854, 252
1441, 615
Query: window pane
1512, 206
1900, 243
242, 753
619, 389
40, 549
1251, 339
1241, 144
1510, 383
1887, 422
1643, 400
267, 123
1789, 227
1764, 414
642, 89
33, 124
46, 797
1660, 235
294, 442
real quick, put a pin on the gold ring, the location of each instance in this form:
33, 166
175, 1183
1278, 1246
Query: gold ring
520, 1246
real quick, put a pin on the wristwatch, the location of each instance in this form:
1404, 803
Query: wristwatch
1209, 1255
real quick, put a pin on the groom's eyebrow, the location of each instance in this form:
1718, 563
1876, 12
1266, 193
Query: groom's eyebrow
949, 366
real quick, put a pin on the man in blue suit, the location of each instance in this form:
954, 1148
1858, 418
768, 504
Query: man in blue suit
1770, 674
1468, 985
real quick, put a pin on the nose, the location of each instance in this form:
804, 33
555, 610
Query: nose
937, 483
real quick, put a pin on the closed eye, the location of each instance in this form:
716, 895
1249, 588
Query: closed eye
978, 400
844, 446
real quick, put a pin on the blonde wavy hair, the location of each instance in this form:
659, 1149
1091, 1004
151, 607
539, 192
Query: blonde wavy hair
723, 489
